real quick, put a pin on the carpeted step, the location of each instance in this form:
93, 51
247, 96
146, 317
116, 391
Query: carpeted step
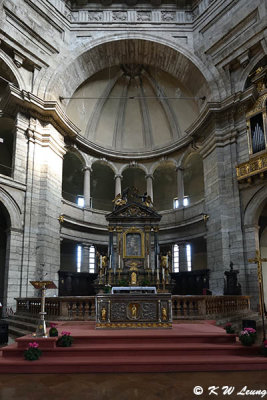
133, 364
137, 350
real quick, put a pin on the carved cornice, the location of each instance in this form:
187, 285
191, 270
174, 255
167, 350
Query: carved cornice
255, 166
49, 111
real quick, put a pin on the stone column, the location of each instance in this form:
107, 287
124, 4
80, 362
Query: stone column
117, 184
182, 257
180, 186
86, 187
149, 185
85, 258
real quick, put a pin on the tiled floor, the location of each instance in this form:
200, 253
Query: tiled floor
169, 386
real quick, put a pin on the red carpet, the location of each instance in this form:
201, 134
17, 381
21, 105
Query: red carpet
186, 347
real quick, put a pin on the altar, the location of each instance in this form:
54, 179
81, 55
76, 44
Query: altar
137, 309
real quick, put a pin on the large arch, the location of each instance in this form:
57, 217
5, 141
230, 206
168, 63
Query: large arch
126, 48
13, 209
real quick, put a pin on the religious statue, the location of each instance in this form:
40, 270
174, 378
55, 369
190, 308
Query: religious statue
119, 201
133, 278
134, 311
164, 262
164, 314
104, 262
231, 285
103, 314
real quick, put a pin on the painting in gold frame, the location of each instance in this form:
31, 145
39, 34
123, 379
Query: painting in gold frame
133, 243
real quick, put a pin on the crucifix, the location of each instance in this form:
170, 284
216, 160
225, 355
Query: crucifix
258, 260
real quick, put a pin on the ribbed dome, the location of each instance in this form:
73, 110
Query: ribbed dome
132, 108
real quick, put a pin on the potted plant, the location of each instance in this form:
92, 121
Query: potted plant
65, 340
248, 336
228, 328
53, 332
33, 352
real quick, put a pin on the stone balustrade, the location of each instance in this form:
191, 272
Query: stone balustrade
83, 307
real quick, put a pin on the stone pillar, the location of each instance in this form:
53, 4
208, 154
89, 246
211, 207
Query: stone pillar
85, 258
182, 257
180, 186
117, 184
149, 185
222, 205
86, 187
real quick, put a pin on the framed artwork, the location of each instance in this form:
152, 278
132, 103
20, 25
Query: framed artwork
133, 243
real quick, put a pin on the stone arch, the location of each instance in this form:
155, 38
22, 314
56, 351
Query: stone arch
134, 165
78, 153
12, 208
15, 76
105, 162
245, 73
160, 162
255, 206
150, 50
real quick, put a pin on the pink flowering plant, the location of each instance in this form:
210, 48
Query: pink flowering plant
65, 339
228, 327
33, 352
248, 336
53, 330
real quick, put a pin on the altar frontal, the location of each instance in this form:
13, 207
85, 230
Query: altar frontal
133, 310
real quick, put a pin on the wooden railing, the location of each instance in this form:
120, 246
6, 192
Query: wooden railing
83, 308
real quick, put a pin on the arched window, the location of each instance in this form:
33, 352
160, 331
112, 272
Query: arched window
134, 177
102, 186
165, 186
72, 181
193, 179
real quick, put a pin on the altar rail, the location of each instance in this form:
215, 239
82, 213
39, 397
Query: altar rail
83, 308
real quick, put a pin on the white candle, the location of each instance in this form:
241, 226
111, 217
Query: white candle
163, 274
148, 261
119, 261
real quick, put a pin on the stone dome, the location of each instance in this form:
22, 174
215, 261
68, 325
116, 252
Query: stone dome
133, 109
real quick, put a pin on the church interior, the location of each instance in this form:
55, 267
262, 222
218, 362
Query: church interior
133, 155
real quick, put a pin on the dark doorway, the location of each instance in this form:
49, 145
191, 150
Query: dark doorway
4, 226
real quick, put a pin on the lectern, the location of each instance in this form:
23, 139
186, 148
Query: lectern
43, 285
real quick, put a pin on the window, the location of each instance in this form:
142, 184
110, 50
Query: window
79, 257
188, 257
175, 203
186, 201
175, 265
91, 259
80, 201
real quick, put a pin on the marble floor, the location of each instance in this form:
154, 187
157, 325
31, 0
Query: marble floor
149, 386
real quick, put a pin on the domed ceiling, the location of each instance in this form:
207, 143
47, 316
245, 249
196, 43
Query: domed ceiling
132, 109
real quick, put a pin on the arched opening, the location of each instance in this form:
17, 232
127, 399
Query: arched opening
4, 228
193, 178
72, 181
134, 177
165, 186
102, 186
7, 128
263, 248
